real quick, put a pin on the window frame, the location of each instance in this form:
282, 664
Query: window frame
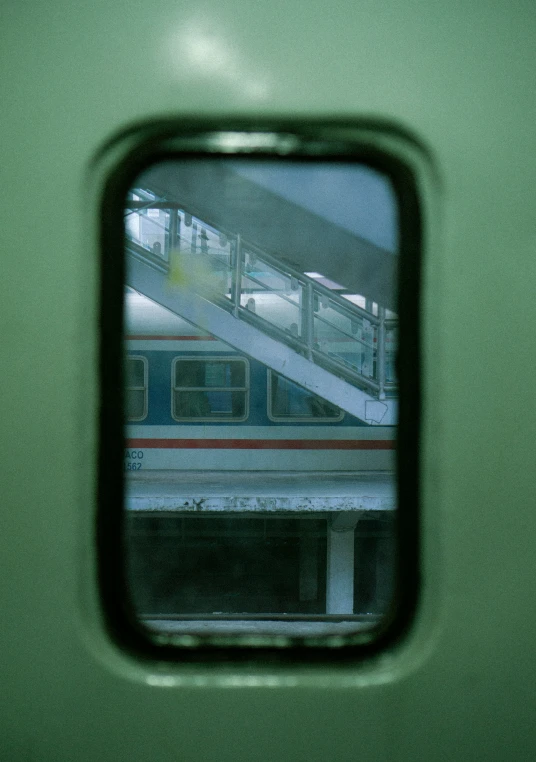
386, 147
213, 418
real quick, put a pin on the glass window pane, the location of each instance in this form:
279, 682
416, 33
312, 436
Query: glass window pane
261, 486
189, 373
210, 373
135, 403
288, 400
201, 404
135, 372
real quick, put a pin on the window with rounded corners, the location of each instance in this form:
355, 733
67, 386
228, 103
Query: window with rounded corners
241, 253
210, 389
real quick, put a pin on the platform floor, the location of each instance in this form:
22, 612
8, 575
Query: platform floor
234, 491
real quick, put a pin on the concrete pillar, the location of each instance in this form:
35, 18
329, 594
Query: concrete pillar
340, 564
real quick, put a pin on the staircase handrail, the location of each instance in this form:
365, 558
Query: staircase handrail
312, 290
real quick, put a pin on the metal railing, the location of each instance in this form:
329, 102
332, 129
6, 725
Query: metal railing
322, 325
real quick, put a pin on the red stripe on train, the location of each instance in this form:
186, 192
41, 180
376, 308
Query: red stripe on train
262, 444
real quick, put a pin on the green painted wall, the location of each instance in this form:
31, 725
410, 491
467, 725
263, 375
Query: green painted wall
460, 77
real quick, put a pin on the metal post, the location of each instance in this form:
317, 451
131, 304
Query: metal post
307, 319
193, 244
380, 350
236, 282
172, 240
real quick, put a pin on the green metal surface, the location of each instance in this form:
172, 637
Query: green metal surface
458, 76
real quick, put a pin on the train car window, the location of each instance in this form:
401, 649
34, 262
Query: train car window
214, 389
269, 495
136, 388
292, 403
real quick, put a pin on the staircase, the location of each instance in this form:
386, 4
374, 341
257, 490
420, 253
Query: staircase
338, 345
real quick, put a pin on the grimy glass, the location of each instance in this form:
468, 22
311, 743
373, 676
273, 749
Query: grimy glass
261, 397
